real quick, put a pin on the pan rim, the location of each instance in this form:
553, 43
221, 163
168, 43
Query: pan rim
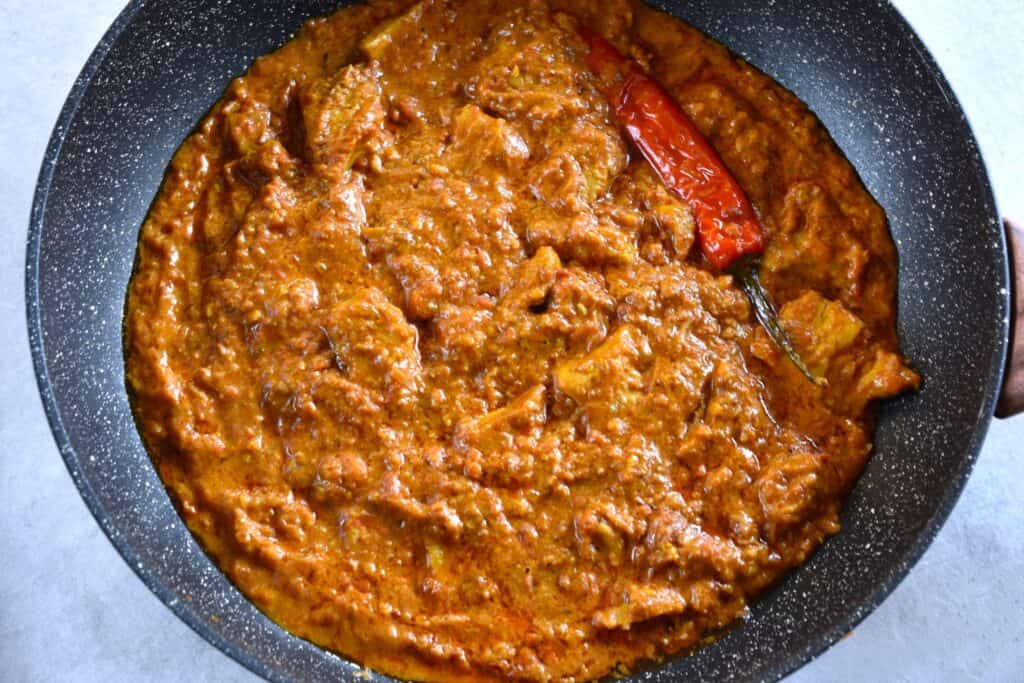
818, 644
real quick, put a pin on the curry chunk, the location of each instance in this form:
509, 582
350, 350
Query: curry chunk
533, 280
605, 531
582, 238
788, 490
670, 215
479, 140
380, 40
581, 163
548, 309
246, 122
497, 444
884, 376
834, 342
373, 344
497, 430
642, 602
528, 70
611, 371
673, 539
821, 329
343, 115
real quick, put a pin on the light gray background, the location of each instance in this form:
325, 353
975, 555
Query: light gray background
70, 608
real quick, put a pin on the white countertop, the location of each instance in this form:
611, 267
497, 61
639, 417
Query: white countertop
71, 609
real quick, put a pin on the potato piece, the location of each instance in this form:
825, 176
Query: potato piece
343, 115
610, 370
377, 42
820, 329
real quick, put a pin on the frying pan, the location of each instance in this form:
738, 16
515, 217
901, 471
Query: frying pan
855, 62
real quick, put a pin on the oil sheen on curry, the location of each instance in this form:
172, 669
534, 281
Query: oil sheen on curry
434, 368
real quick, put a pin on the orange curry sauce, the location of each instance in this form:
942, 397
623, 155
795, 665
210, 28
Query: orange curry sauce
427, 359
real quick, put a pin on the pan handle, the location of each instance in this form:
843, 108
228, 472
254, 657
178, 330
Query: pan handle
1011, 397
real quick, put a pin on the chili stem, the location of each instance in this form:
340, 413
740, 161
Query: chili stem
745, 271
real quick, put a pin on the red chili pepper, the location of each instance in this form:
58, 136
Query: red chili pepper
727, 227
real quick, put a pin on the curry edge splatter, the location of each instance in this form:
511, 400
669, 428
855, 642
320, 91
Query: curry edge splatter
428, 362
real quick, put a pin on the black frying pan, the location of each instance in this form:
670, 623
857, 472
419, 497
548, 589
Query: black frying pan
855, 62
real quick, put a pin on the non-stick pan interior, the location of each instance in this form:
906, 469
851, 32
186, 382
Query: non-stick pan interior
855, 62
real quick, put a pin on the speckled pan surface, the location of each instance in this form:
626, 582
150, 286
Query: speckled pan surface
855, 62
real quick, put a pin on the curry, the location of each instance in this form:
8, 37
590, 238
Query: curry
428, 359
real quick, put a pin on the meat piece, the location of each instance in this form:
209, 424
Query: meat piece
609, 373
642, 602
498, 430
789, 491
528, 70
580, 308
685, 381
339, 475
461, 332
497, 445
815, 245
884, 376
581, 237
375, 346
834, 341
672, 216
479, 141
377, 43
293, 300
396, 497
603, 532
532, 282
580, 165
820, 329
247, 124
673, 538
421, 283
344, 117
548, 308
